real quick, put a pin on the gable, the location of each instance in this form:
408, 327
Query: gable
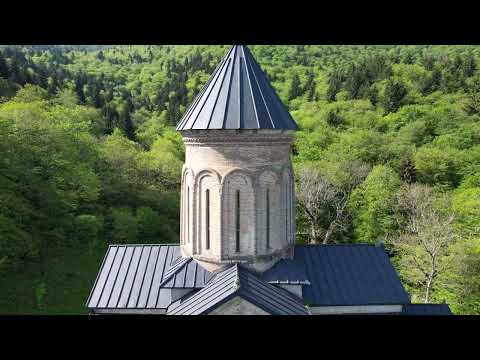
238, 306
237, 281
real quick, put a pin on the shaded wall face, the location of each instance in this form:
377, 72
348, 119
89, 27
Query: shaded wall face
238, 306
249, 212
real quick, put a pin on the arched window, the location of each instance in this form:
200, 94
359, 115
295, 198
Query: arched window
267, 227
237, 221
188, 214
207, 218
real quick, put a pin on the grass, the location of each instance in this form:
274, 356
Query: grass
67, 283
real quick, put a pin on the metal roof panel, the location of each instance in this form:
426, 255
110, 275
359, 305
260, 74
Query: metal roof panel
426, 309
237, 96
140, 276
102, 277
238, 281
351, 275
121, 277
127, 287
112, 277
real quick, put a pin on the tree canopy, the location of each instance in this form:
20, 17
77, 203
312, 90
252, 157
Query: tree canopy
89, 155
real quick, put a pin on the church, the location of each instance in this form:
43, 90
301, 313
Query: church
237, 253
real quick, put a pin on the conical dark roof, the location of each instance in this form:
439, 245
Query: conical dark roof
237, 96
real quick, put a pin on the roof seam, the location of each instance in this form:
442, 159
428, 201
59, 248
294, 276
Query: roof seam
161, 277
116, 277
198, 299
134, 276
96, 279
229, 89
125, 279
261, 94
213, 82
184, 119
218, 93
240, 113
143, 278
106, 278
153, 277
250, 86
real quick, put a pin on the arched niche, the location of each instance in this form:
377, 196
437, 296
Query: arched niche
270, 212
238, 201
186, 207
287, 201
207, 185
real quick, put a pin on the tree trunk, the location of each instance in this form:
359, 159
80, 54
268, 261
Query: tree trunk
329, 233
428, 288
313, 235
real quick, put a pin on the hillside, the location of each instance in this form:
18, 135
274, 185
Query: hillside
388, 150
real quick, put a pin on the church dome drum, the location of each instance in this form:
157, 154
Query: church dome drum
237, 181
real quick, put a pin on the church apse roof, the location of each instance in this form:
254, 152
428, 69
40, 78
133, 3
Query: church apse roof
237, 96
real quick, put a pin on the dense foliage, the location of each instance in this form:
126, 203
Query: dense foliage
390, 134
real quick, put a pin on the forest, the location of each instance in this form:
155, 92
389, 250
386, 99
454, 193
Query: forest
388, 151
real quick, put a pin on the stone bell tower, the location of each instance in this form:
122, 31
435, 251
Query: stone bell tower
237, 202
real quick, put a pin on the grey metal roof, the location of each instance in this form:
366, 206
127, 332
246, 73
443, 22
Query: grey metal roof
187, 274
426, 309
238, 281
237, 96
288, 271
135, 276
141, 276
349, 275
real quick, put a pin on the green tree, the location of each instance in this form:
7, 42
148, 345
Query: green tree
373, 205
393, 95
125, 226
87, 229
67, 97
47, 173
436, 166
30, 93
295, 87
473, 104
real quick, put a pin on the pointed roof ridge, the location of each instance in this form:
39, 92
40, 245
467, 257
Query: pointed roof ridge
234, 281
237, 96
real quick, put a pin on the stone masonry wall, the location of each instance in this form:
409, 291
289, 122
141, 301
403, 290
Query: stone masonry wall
238, 306
224, 162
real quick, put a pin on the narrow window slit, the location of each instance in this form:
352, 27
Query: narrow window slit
237, 221
268, 218
188, 214
207, 218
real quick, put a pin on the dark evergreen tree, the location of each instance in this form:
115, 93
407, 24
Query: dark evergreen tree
334, 119
394, 94
100, 55
335, 82
3, 67
469, 66
295, 89
310, 86
432, 82
373, 95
